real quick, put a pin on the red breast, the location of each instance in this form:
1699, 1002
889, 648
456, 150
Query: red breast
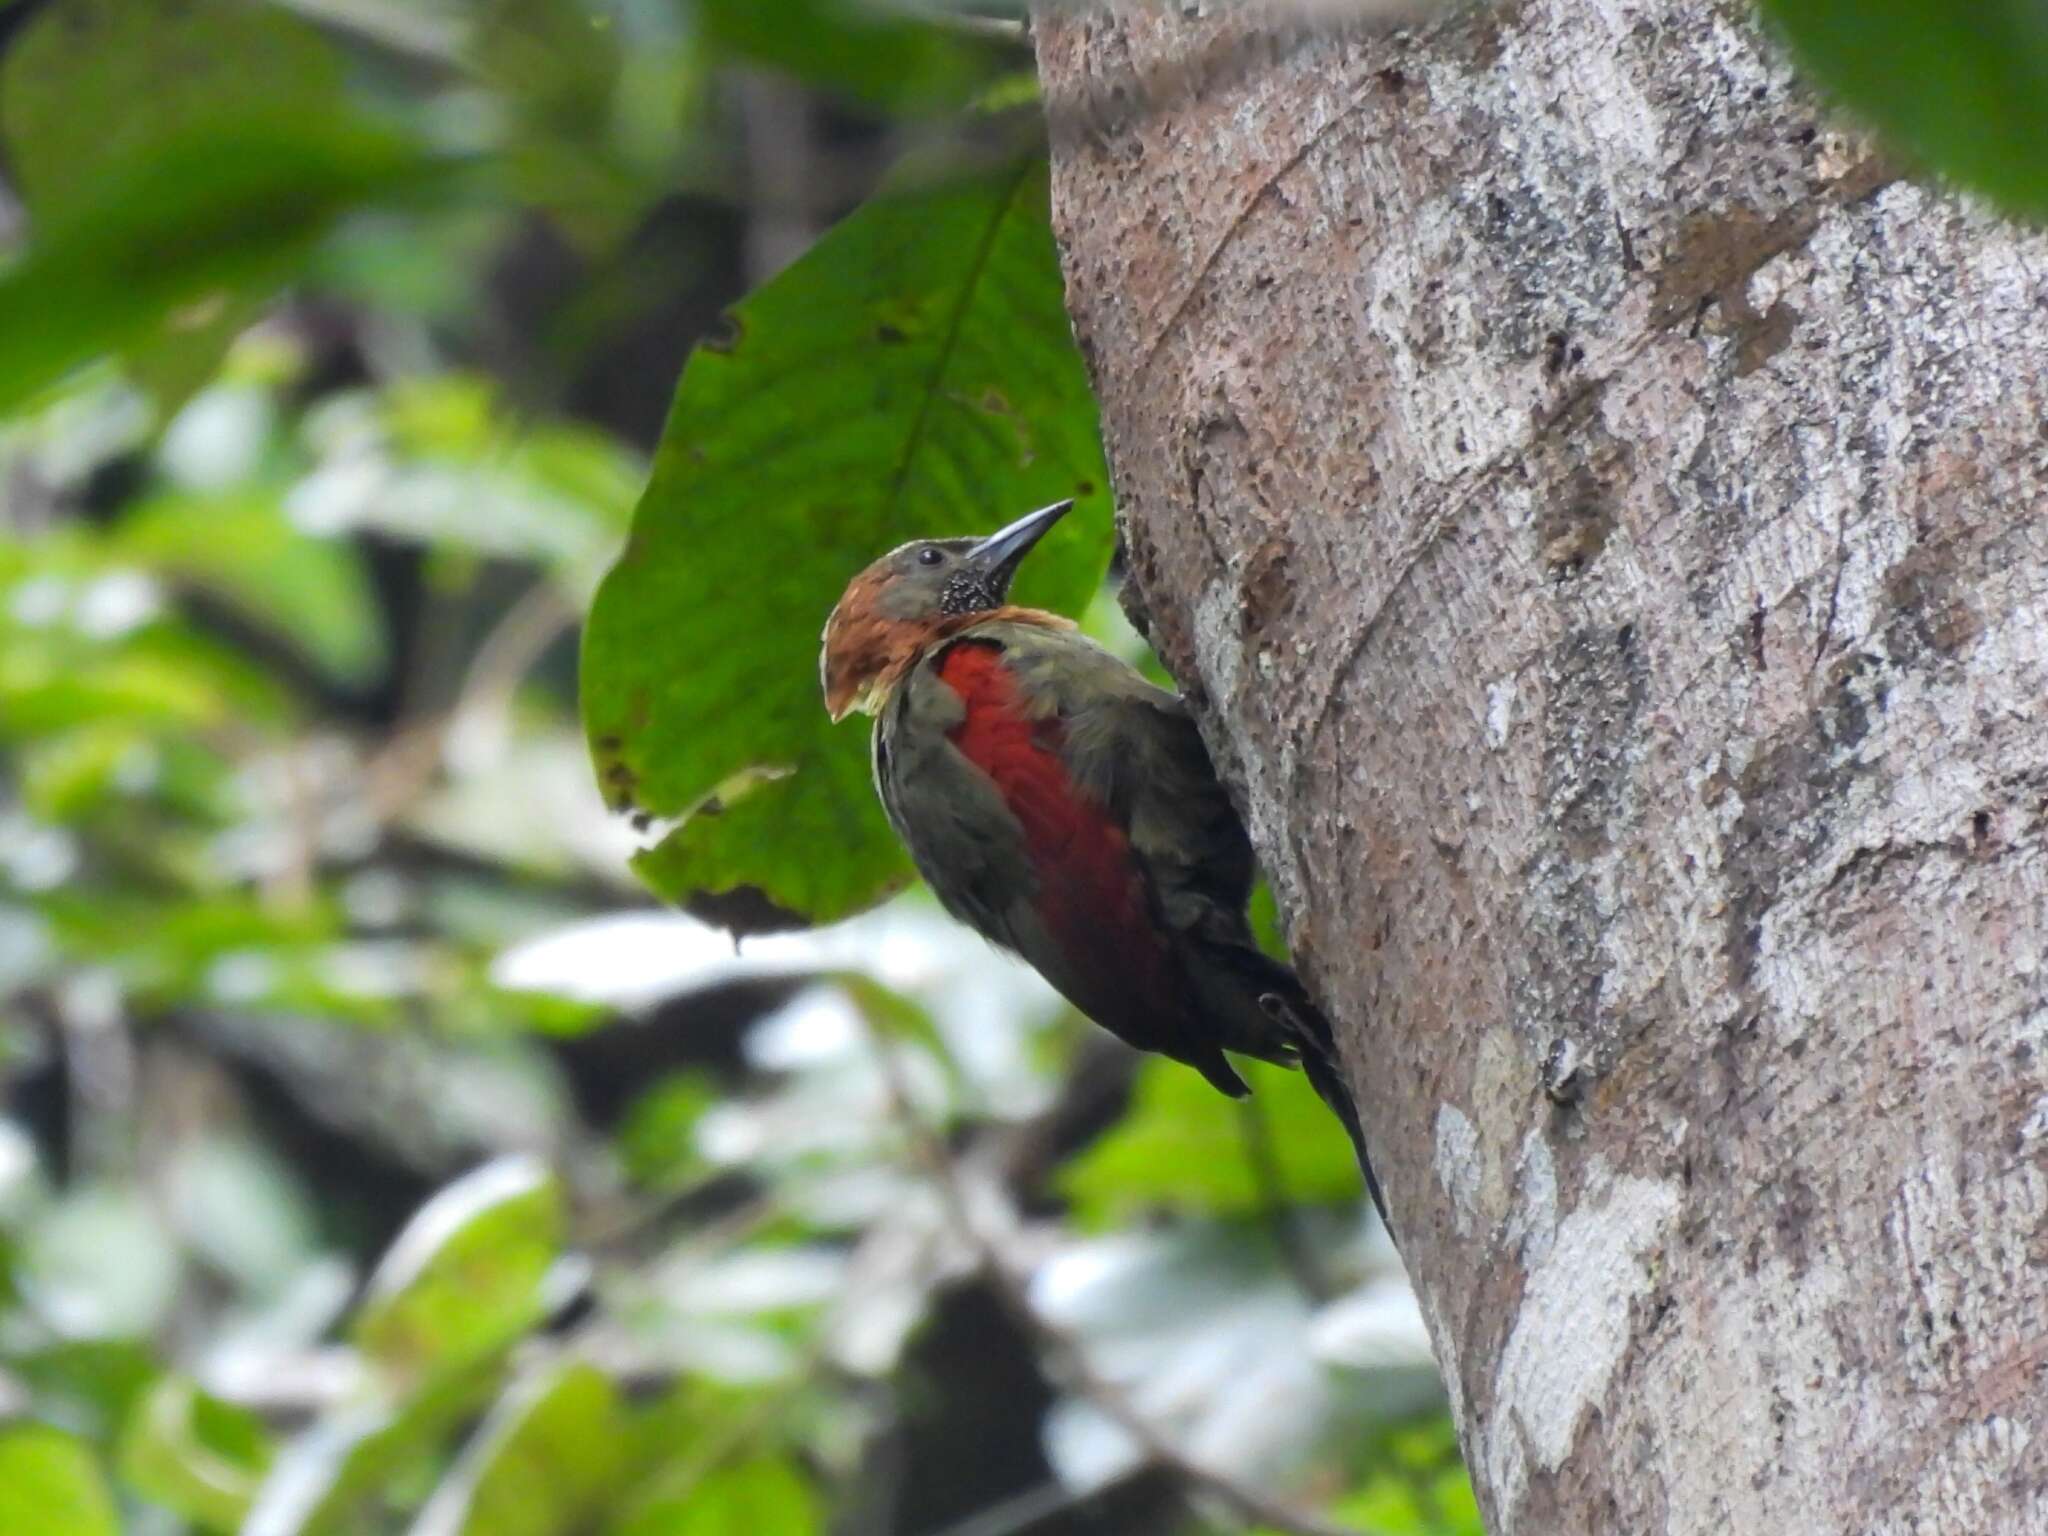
1091, 890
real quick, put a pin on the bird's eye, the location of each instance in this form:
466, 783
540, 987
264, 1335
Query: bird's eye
930, 556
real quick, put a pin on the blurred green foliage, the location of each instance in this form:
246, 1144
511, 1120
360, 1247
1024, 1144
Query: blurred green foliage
50, 1485
549, 1457
159, 226
1961, 89
883, 56
465, 1279
1183, 1146
373, 1157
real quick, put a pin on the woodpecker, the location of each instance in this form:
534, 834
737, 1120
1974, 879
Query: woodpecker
1066, 809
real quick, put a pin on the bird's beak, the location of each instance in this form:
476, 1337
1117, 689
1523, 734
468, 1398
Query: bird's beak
999, 555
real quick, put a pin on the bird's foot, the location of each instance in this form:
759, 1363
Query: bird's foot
1283, 1010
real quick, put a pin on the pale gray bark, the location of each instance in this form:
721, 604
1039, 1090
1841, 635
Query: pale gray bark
1598, 509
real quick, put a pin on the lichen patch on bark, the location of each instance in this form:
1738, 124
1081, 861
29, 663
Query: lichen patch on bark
1574, 1328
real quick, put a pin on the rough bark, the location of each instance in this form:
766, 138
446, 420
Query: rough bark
1597, 507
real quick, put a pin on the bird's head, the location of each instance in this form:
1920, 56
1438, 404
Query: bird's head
913, 596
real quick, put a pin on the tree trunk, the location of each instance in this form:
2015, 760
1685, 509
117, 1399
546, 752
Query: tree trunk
1596, 507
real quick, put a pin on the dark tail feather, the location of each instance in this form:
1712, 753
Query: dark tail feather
1326, 1075
1306, 1035
1327, 1081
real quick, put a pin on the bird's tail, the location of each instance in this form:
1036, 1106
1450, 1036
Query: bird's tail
1285, 1026
1285, 1000
1327, 1079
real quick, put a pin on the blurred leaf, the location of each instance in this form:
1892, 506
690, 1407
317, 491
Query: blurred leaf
43, 691
425, 29
544, 1463
487, 813
1011, 91
754, 1281
164, 241
1386, 1506
1182, 1146
764, 1494
894, 1015
557, 58
450, 416
99, 1264
1374, 1328
93, 86
240, 1206
1264, 913
656, 1140
1457, 1506
91, 1385
876, 54
136, 673
51, 1486
1962, 87
66, 776
330, 1480
1419, 1487
688, 1427
913, 375
465, 1276
195, 1455
419, 264
443, 460
245, 552
558, 64
1427, 1445
229, 948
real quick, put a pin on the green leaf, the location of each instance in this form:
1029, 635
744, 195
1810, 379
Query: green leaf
162, 244
1417, 1486
94, 86
1184, 1146
244, 551
457, 469
1963, 88
83, 642
558, 64
762, 1494
465, 1276
556, 59
871, 53
40, 694
912, 376
656, 1141
330, 1479
172, 948
67, 776
544, 1463
1456, 1505
90, 1384
50, 1485
195, 1455
1386, 1506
